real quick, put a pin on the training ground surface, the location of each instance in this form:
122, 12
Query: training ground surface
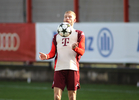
42, 91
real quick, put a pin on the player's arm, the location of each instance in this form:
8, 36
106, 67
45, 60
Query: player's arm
51, 54
79, 47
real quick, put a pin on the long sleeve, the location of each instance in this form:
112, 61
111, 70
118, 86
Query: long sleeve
81, 46
53, 51
51, 54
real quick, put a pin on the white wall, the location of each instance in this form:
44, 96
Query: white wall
105, 42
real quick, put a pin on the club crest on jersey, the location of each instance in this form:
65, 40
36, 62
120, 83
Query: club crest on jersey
65, 41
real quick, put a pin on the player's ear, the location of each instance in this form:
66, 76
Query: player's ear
75, 20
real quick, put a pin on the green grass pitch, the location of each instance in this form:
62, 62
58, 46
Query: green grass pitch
42, 91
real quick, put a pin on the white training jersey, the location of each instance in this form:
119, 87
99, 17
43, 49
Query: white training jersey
67, 58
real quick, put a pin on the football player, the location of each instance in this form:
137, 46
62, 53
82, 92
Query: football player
67, 52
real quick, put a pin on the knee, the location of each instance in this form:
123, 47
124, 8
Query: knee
57, 97
72, 95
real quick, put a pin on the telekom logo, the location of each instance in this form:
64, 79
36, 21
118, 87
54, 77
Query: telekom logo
10, 42
65, 41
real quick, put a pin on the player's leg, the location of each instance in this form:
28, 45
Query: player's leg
72, 95
58, 84
73, 84
57, 93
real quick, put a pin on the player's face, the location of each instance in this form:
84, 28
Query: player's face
69, 18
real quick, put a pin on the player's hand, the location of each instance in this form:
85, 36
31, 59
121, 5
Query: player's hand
42, 56
74, 45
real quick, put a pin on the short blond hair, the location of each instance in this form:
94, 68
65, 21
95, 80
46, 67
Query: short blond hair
71, 12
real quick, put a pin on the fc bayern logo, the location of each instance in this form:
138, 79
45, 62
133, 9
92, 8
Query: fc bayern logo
105, 42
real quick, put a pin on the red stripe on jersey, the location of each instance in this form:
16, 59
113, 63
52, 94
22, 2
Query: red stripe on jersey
55, 61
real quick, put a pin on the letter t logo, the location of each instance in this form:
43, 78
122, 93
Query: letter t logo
65, 41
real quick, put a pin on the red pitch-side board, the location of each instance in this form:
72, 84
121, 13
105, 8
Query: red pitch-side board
17, 42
